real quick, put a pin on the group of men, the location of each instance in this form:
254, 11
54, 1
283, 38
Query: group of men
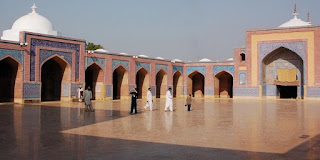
86, 96
149, 104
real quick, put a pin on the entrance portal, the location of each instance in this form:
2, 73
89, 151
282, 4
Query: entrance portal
8, 78
177, 85
94, 79
120, 83
161, 83
53, 73
195, 84
142, 82
223, 85
287, 91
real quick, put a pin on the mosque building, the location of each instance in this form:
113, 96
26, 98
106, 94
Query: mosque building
37, 64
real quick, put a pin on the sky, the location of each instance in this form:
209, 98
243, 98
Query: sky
185, 29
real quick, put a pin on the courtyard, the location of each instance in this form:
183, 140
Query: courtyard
214, 129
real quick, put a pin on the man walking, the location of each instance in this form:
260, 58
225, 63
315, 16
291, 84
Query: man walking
188, 102
134, 95
149, 100
168, 101
87, 100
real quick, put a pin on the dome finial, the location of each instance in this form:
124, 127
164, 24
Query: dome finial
295, 13
34, 7
309, 21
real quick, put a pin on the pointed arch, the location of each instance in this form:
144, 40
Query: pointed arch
223, 84
94, 78
177, 84
120, 80
142, 82
11, 73
55, 72
195, 84
161, 83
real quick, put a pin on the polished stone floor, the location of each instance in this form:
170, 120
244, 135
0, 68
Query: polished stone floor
214, 129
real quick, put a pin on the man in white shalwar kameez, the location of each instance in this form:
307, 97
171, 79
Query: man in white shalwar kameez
80, 93
149, 100
168, 100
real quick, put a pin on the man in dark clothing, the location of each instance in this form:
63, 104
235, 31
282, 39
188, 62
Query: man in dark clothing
134, 96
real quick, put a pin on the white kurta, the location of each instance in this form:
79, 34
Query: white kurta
79, 94
149, 101
168, 101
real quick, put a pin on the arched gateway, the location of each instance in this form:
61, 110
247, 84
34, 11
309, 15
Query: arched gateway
120, 83
94, 78
161, 83
195, 84
142, 82
223, 85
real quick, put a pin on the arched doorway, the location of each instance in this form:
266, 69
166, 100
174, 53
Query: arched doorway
223, 85
54, 72
195, 84
161, 84
120, 83
142, 82
177, 84
10, 80
282, 74
94, 79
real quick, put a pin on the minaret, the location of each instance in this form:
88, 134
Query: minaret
295, 13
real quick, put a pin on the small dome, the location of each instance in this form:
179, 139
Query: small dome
295, 22
101, 50
159, 58
230, 59
142, 55
32, 22
177, 60
205, 60
123, 53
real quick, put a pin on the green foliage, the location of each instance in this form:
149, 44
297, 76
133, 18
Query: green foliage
92, 46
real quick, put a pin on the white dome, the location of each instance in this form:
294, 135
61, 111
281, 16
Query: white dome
205, 60
123, 53
230, 59
295, 22
101, 50
177, 60
142, 55
159, 58
32, 22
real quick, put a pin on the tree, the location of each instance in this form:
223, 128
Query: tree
92, 46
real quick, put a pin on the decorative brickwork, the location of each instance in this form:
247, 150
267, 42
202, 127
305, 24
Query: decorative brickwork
242, 77
140, 65
177, 68
65, 90
199, 69
161, 66
246, 91
52, 44
209, 91
45, 54
217, 69
31, 90
16, 54
117, 63
313, 92
109, 90
100, 61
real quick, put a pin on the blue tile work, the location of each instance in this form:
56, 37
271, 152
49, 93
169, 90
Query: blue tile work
209, 91
65, 90
45, 54
90, 60
298, 47
16, 54
52, 44
313, 92
242, 77
161, 66
153, 90
185, 90
269, 90
199, 69
109, 90
117, 63
177, 68
140, 65
31, 90
246, 91
217, 69
74, 88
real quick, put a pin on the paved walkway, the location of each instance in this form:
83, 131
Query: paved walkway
214, 129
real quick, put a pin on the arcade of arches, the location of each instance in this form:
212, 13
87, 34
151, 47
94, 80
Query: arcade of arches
177, 84
223, 84
161, 84
94, 78
10, 75
54, 73
120, 83
195, 84
142, 82
283, 68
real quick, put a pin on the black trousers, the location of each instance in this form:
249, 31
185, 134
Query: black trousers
189, 107
133, 107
